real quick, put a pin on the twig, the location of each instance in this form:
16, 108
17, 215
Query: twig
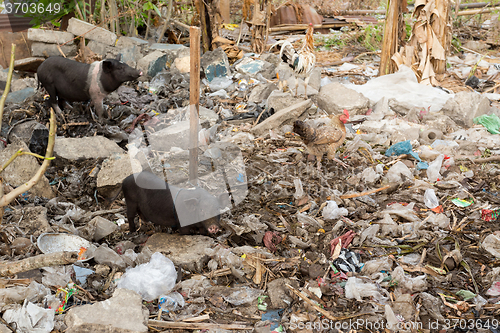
355, 195
495, 158
197, 326
311, 303
492, 88
9, 79
75, 124
43, 260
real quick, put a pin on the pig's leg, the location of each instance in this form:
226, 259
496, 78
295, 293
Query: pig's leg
99, 107
54, 103
131, 213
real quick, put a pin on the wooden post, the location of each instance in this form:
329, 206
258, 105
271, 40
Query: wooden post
390, 42
194, 100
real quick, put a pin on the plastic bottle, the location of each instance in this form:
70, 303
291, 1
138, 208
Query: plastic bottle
430, 199
171, 302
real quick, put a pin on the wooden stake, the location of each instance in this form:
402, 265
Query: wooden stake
197, 326
390, 42
194, 100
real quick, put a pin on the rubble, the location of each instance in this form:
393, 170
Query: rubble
73, 149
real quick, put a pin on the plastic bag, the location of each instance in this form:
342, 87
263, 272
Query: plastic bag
357, 288
430, 199
433, 170
333, 212
418, 283
395, 173
242, 295
377, 265
152, 279
491, 122
492, 244
31, 318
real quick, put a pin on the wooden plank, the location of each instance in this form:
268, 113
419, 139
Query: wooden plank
194, 100
197, 326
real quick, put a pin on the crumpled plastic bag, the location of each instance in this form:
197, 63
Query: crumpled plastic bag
333, 212
31, 318
150, 280
415, 284
491, 122
357, 288
405, 147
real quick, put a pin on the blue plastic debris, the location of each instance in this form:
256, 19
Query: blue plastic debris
241, 178
273, 316
404, 147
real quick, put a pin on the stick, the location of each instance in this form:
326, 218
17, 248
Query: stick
65, 126
6, 199
492, 88
194, 101
197, 326
311, 303
199, 318
355, 195
296, 27
477, 11
43, 260
495, 158
9, 79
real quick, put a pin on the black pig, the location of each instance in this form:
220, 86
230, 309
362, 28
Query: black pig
167, 205
73, 81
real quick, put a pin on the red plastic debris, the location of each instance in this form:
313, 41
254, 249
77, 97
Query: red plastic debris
271, 239
346, 240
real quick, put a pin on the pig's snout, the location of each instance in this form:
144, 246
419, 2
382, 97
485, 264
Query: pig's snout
140, 73
213, 229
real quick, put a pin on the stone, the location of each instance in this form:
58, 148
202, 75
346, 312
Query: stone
315, 79
279, 100
50, 36
28, 64
50, 50
20, 96
271, 58
152, 64
291, 84
183, 65
215, 64
78, 27
466, 106
100, 48
32, 220
22, 169
186, 251
176, 135
173, 51
122, 313
252, 67
124, 42
92, 147
279, 294
130, 55
106, 256
21, 84
33, 134
335, 97
115, 169
261, 92
166, 47
282, 117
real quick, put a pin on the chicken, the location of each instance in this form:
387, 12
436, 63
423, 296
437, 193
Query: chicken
302, 61
325, 139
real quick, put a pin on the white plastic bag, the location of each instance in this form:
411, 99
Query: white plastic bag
150, 280
333, 212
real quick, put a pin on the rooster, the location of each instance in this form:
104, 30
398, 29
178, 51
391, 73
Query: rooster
325, 139
302, 61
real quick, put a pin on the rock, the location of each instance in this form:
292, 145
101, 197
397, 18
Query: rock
335, 97
186, 251
173, 51
28, 64
282, 117
279, 100
182, 64
279, 294
176, 135
291, 84
441, 121
22, 169
106, 256
50, 50
152, 64
476, 45
252, 67
32, 220
124, 42
215, 64
33, 134
315, 79
130, 55
466, 106
78, 27
101, 49
20, 96
115, 169
271, 58
21, 84
261, 92
122, 313
167, 47
50, 36
92, 147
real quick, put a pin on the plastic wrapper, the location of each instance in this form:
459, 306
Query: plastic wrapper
57, 275
398, 173
492, 244
377, 265
357, 288
430, 199
31, 318
491, 122
416, 284
242, 295
333, 212
152, 279
348, 261
434, 168
33, 292
171, 302
299, 191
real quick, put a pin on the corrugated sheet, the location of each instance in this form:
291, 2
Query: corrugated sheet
9, 22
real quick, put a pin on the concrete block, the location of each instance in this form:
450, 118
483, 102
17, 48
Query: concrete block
50, 36
78, 27
153, 63
215, 64
50, 50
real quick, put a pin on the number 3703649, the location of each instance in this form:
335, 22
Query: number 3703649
32, 8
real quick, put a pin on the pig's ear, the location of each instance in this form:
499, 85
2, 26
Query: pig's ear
107, 66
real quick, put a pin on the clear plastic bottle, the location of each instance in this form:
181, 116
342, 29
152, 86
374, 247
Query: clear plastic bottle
430, 199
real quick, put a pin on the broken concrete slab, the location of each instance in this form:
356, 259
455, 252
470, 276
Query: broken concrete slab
92, 32
100, 48
182, 64
315, 79
51, 50
28, 64
152, 64
50, 36
122, 313
20, 96
93, 147
21, 84
124, 42
282, 117
335, 97
465, 106
22, 169
252, 67
215, 64
173, 51
261, 92
187, 251
279, 100
115, 169
130, 55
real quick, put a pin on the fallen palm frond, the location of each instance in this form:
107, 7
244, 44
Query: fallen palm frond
430, 40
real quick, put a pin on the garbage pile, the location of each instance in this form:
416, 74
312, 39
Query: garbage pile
405, 238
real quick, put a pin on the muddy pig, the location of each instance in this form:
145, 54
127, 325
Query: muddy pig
73, 81
167, 205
